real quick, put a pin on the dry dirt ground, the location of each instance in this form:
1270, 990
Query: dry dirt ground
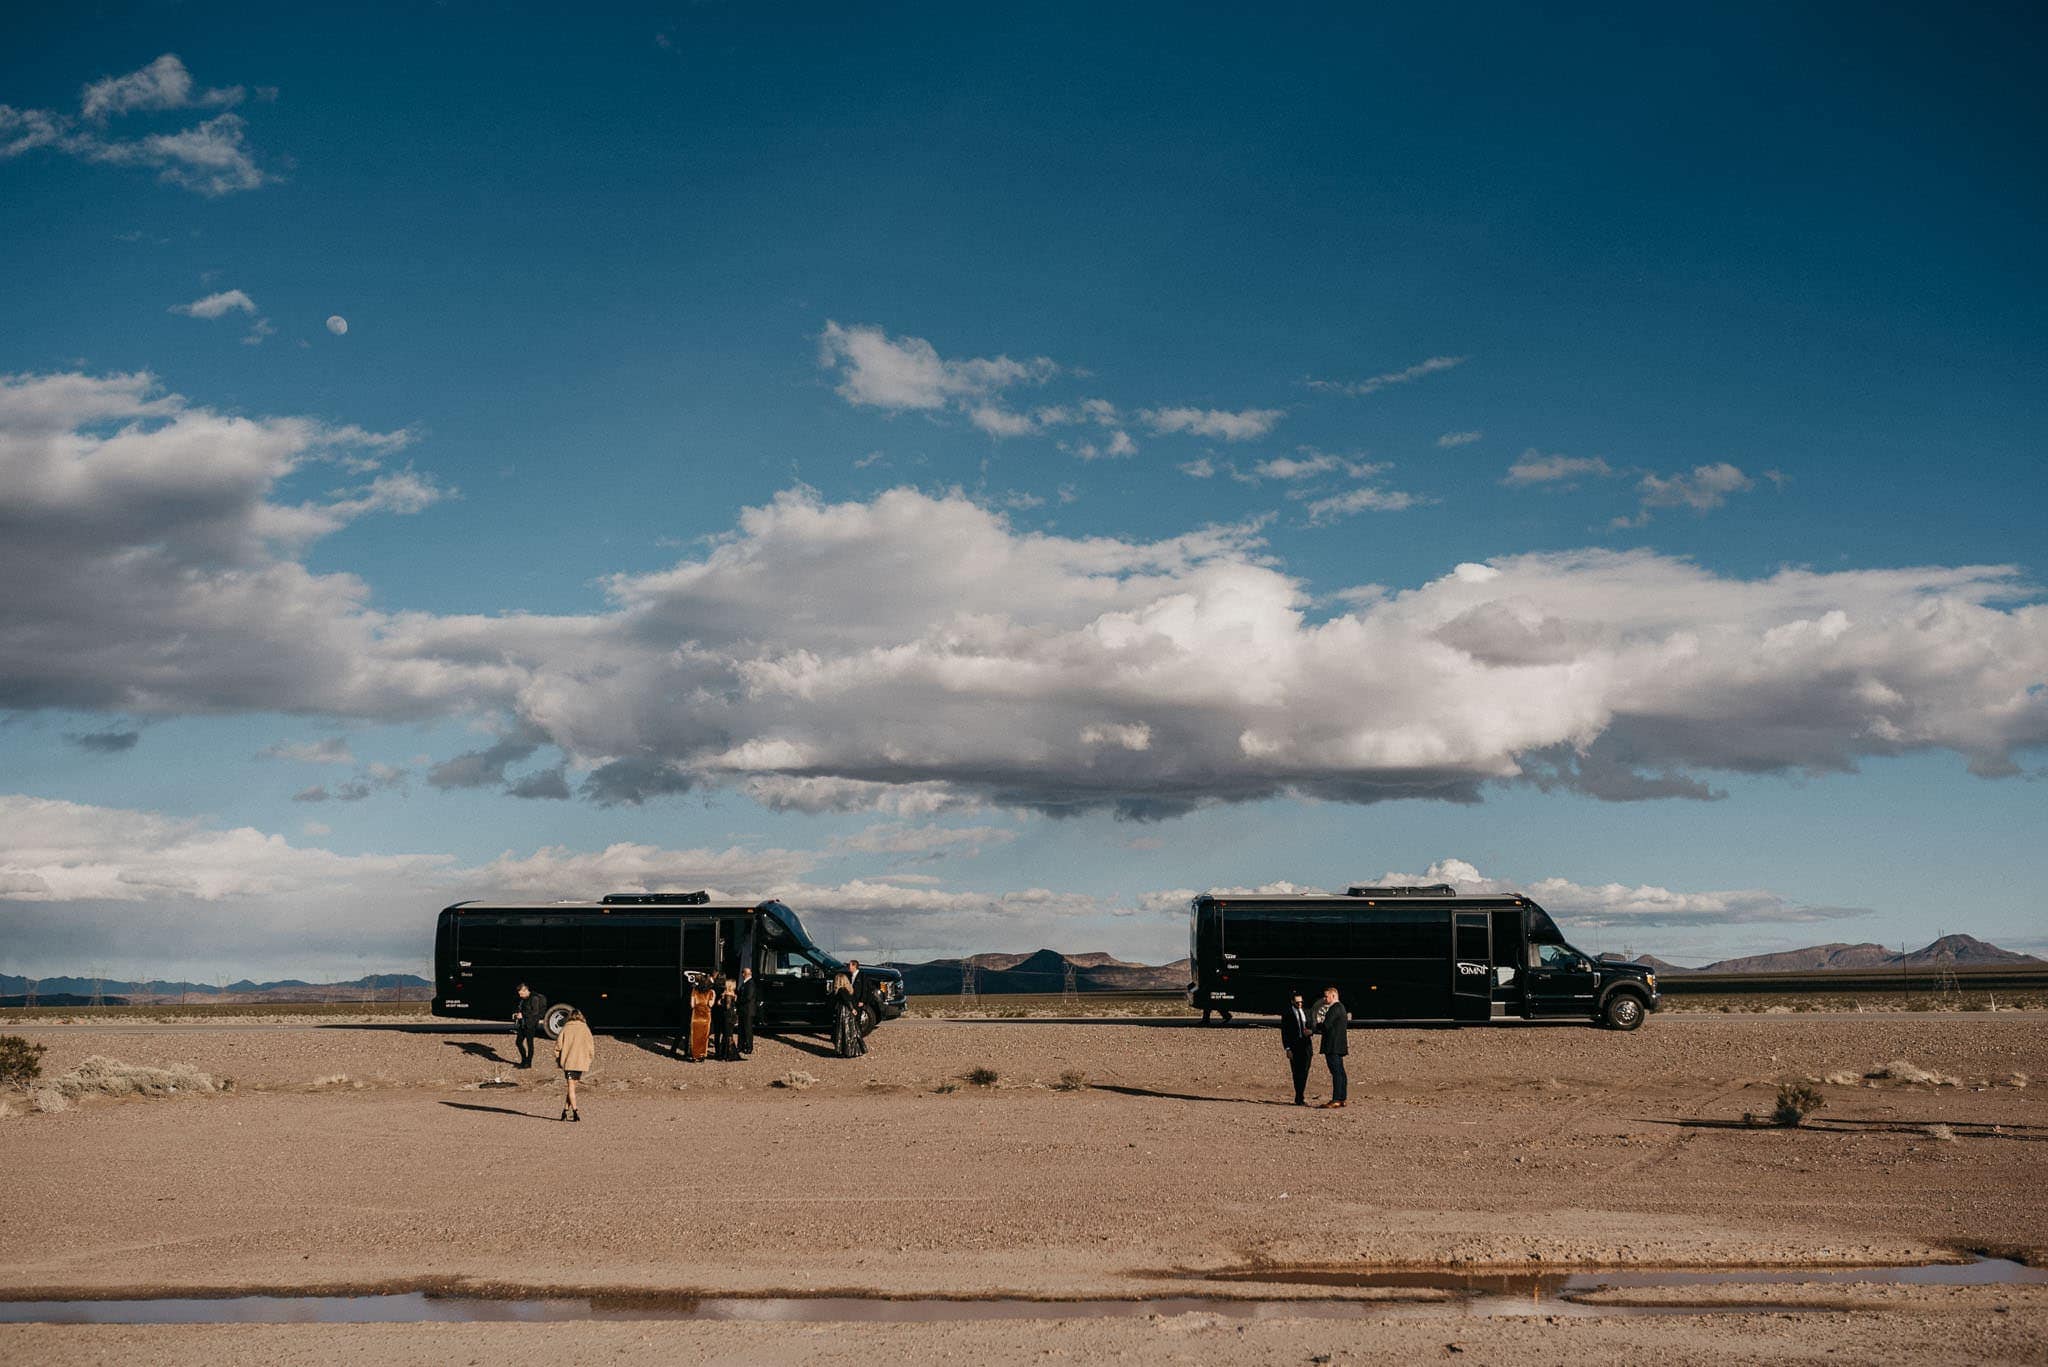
361, 1157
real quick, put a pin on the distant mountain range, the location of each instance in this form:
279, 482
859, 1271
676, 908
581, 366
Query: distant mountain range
72, 990
1950, 951
1043, 970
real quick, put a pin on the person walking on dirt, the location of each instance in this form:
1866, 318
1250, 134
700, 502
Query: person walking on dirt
1298, 1040
575, 1051
1334, 1026
526, 1018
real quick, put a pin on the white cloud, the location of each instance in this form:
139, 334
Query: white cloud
1325, 510
907, 373
212, 157
902, 838
1406, 375
1450, 439
1289, 467
1608, 906
1533, 467
1000, 422
1219, 423
1705, 489
915, 651
333, 750
1118, 446
1204, 468
163, 84
216, 305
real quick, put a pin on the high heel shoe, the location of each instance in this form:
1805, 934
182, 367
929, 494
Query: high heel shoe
565, 1113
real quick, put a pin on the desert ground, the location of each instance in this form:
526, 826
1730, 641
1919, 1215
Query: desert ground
1112, 1159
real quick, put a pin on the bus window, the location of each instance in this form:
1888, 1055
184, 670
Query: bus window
700, 946
788, 961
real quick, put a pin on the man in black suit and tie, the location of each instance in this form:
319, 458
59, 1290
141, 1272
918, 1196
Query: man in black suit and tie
747, 993
1298, 1038
1334, 1024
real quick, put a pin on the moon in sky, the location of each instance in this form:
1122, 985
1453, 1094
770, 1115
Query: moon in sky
337, 325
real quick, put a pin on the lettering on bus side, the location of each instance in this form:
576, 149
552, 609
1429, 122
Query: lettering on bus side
1472, 970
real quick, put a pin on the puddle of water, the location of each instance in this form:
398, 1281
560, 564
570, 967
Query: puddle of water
1478, 1295
1556, 1283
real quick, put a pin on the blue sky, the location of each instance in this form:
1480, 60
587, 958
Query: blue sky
985, 477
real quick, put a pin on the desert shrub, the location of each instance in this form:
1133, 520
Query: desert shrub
102, 1076
1904, 1070
20, 1062
1071, 1081
947, 1088
796, 1080
1942, 1133
1796, 1101
981, 1075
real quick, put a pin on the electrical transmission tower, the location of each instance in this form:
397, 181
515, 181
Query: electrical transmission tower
970, 983
98, 978
1069, 994
33, 983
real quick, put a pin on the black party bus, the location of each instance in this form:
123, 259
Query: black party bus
627, 961
1405, 953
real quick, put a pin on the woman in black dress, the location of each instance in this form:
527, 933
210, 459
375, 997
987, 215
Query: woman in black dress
725, 1022
847, 1041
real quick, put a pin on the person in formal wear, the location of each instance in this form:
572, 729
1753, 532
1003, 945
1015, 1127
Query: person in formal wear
847, 1041
748, 996
527, 1015
1334, 1026
575, 1051
725, 1022
1298, 1040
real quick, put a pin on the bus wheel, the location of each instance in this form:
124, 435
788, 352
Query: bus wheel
868, 1019
1624, 1011
551, 1024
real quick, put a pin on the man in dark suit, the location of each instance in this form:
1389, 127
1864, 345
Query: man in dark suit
747, 994
532, 1007
1298, 1039
1334, 1026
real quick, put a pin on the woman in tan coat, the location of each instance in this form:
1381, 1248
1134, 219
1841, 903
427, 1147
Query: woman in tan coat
574, 1052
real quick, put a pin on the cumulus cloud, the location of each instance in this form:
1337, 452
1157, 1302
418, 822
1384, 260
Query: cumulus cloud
1451, 439
918, 648
151, 562
1222, 424
1406, 375
211, 157
216, 305
1534, 467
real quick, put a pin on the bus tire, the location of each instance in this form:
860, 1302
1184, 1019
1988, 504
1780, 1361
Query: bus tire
1622, 1011
868, 1019
551, 1024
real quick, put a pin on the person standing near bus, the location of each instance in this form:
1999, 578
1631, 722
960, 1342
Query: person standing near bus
747, 995
526, 1018
575, 1051
1334, 1027
1298, 1039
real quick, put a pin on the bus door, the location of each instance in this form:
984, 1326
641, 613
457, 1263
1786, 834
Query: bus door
1510, 963
1471, 966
